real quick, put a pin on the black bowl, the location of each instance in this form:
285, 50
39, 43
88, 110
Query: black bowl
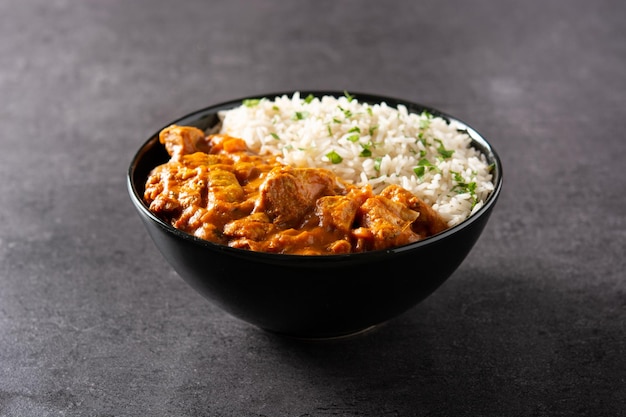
311, 296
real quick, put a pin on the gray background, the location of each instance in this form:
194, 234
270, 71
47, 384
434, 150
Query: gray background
93, 322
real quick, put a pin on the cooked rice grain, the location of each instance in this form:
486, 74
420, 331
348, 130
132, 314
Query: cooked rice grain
369, 144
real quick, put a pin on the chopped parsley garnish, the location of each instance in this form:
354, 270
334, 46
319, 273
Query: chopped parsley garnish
309, 98
300, 115
372, 129
426, 163
422, 165
445, 153
425, 120
348, 96
346, 112
421, 138
419, 171
275, 136
356, 134
463, 187
251, 102
367, 150
377, 163
334, 157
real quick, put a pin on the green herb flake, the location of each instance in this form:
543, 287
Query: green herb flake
419, 171
275, 136
346, 112
422, 166
445, 153
300, 115
425, 163
377, 163
348, 96
309, 98
355, 129
425, 120
334, 157
251, 102
353, 138
463, 187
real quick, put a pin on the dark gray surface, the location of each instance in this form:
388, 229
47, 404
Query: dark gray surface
94, 322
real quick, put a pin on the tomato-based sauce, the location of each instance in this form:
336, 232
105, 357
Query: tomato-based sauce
216, 189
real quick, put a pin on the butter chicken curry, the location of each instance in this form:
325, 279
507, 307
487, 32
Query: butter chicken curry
215, 188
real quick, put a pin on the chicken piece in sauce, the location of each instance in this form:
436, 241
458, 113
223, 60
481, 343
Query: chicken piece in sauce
216, 189
287, 194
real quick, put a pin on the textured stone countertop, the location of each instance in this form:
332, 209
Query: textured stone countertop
93, 321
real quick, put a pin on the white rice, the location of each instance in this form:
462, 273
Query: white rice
422, 153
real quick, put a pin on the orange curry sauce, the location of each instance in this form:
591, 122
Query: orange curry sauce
216, 189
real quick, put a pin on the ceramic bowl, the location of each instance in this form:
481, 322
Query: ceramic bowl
311, 296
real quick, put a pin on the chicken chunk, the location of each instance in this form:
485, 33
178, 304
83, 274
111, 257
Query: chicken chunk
254, 227
336, 212
287, 193
389, 223
429, 221
182, 140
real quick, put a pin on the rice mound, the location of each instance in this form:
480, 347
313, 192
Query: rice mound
372, 144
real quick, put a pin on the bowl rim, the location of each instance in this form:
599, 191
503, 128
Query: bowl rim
477, 139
